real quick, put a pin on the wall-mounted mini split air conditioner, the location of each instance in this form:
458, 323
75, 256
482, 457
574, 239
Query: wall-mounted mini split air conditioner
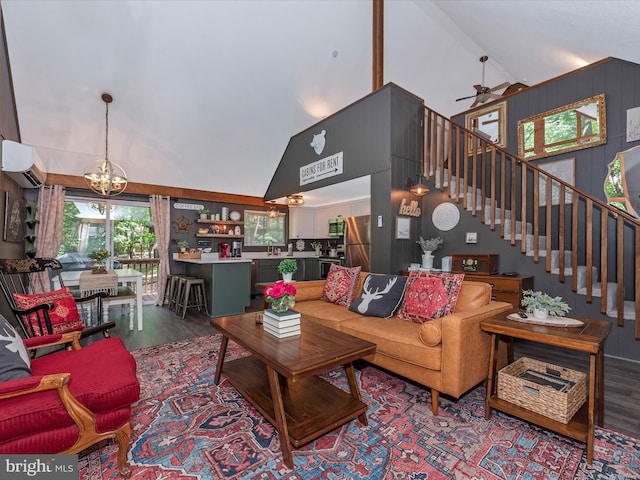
20, 163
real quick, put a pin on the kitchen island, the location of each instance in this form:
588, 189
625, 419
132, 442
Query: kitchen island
227, 282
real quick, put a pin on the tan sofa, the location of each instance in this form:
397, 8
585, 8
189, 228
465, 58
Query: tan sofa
449, 355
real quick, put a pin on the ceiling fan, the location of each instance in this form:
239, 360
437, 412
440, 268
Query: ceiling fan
484, 94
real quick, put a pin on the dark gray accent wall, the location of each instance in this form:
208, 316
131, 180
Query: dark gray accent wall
620, 81
380, 136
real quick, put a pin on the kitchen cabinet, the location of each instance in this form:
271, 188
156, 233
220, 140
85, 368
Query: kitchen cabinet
268, 270
302, 222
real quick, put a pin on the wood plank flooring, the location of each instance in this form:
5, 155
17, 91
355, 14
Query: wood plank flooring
622, 377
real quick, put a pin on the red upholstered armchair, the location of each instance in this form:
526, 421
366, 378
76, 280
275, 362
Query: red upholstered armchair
66, 401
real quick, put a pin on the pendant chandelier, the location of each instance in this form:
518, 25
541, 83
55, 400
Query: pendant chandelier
105, 177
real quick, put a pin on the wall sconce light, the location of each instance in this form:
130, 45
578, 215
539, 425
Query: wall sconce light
295, 200
419, 187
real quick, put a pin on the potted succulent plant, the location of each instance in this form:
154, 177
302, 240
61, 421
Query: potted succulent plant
287, 268
203, 212
542, 305
428, 247
183, 245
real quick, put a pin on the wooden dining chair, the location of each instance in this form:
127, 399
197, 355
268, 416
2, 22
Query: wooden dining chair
107, 283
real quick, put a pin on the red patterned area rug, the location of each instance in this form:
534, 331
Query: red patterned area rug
186, 427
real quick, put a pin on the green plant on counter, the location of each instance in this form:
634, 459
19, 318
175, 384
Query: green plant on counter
316, 245
554, 306
183, 244
288, 265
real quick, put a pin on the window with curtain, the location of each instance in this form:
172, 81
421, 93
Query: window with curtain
261, 230
123, 228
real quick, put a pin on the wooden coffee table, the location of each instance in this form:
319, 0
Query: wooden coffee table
589, 338
280, 377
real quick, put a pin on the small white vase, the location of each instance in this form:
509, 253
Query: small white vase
318, 251
540, 314
287, 277
427, 260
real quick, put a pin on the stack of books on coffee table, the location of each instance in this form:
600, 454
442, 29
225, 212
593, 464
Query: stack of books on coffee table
281, 325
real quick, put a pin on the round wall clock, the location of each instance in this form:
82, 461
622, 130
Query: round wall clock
445, 216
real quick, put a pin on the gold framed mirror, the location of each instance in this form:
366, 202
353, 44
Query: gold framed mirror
489, 122
571, 127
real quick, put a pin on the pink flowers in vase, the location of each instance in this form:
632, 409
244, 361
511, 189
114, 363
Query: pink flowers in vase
280, 295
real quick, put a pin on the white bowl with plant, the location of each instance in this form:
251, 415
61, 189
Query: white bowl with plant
287, 268
317, 246
541, 305
183, 245
429, 246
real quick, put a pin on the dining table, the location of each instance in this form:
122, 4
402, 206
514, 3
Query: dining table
126, 276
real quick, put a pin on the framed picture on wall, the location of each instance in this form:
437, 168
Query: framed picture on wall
403, 228
14, 215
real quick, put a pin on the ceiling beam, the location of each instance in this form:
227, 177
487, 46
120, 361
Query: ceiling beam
74, 181
378, 45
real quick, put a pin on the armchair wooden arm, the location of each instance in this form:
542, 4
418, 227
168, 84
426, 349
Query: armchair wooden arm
70, 338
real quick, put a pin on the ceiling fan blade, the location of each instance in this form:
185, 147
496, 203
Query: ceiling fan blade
499, 87
475, 102
492, 96
465, 98
479, 88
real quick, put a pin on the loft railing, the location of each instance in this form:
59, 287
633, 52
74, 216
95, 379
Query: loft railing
490, 178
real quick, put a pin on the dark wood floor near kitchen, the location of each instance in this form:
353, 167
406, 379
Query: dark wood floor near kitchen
622, 378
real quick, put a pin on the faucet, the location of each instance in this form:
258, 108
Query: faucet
269, 248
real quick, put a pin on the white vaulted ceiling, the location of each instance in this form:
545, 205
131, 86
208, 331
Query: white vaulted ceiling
208, 93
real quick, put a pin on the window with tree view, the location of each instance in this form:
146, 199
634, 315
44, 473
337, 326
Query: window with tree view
262, 230
124, 229
571, 127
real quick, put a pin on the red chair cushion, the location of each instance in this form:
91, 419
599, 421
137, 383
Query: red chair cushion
64, 316
103, 379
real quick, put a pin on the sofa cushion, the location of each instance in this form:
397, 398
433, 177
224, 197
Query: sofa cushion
430, 296
341, 285
325, 313
395, 338
473, 295
64, 315
14, 359
380, 295
431, 332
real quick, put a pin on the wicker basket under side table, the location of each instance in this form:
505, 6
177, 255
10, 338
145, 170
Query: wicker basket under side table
545, 400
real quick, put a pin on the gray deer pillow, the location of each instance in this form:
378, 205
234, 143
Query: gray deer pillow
380, 296
14, 359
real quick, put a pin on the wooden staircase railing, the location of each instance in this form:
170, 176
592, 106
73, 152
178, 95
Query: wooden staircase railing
501, 181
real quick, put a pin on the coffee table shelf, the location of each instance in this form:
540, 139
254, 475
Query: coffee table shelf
313, 406
280, 378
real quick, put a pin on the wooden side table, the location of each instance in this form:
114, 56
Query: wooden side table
589, 338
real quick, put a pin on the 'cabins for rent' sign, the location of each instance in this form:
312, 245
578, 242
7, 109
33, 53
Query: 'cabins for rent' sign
320, 169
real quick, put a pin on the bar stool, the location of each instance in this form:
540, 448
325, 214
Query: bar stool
175, 290
170, 289
191, 294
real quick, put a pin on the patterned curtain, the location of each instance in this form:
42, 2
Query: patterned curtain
161, 217
49, 230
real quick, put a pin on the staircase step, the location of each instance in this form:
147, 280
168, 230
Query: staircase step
507, 229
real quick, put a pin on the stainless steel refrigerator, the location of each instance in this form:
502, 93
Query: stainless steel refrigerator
357, 242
